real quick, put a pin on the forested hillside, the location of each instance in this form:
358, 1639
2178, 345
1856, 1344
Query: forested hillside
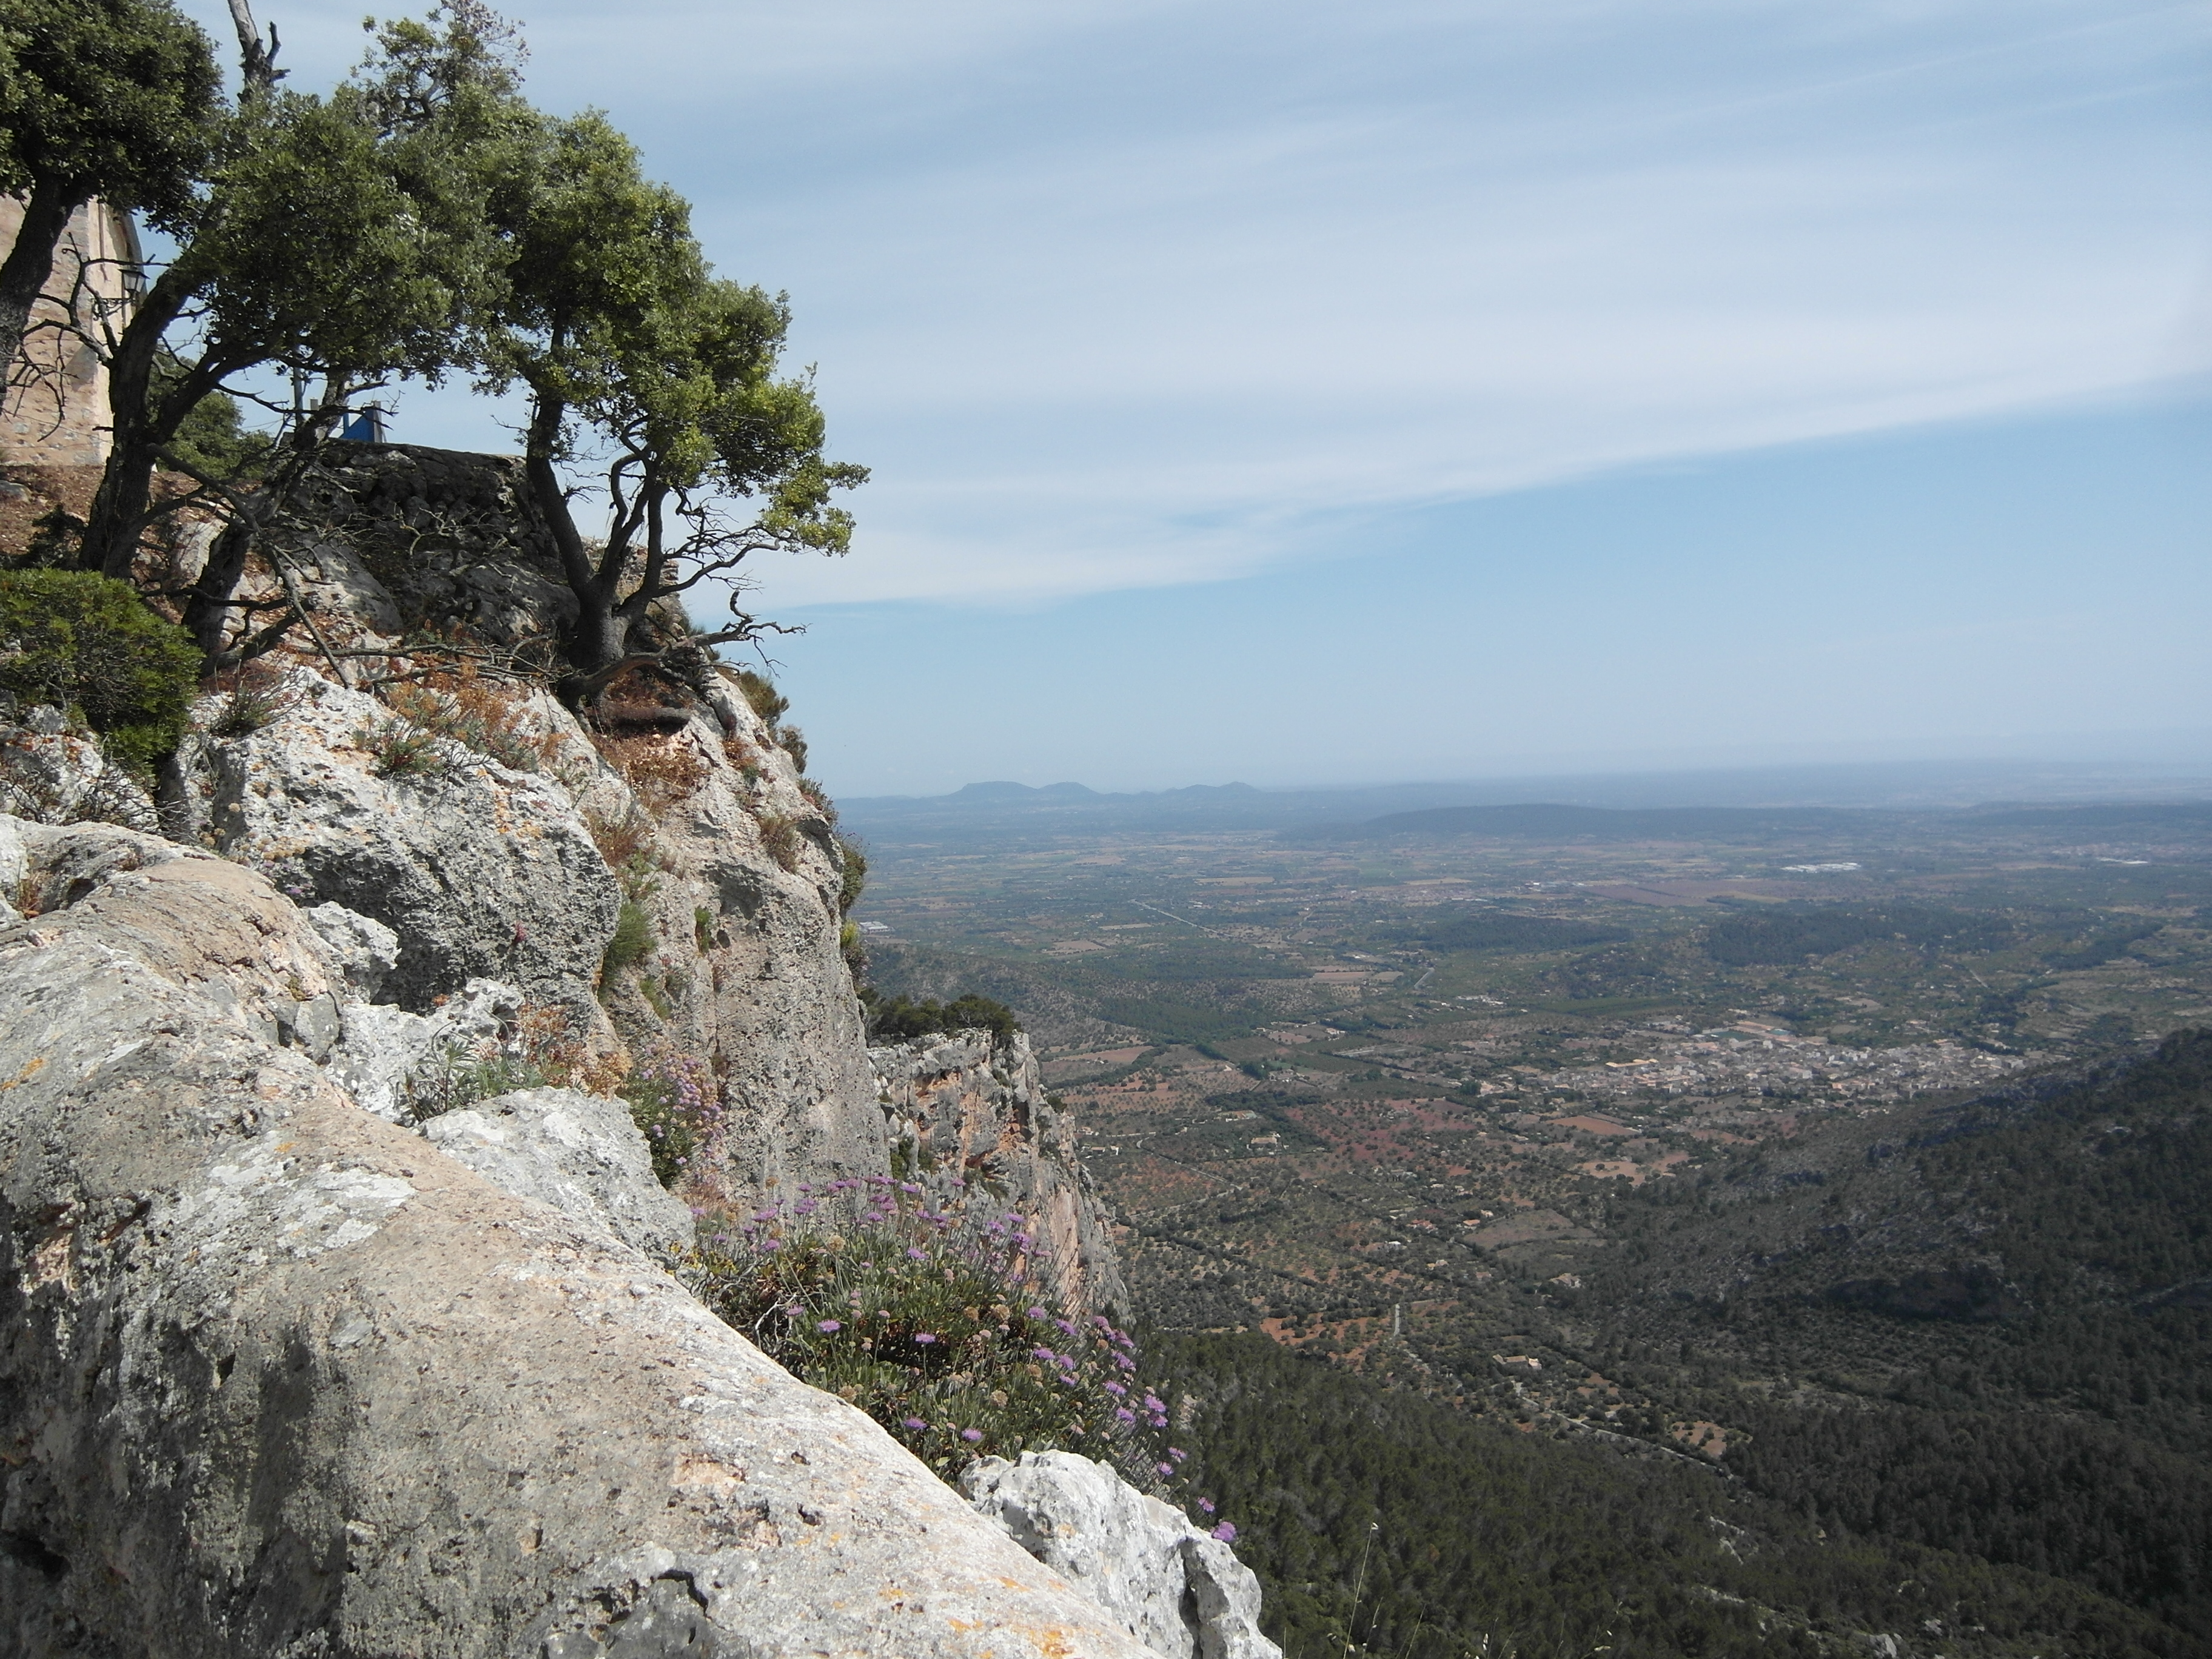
1401, 1526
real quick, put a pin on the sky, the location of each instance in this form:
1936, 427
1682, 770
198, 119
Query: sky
1316, 393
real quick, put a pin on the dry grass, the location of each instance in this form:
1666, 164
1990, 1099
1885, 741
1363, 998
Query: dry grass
780, 839
662, 770
620, 841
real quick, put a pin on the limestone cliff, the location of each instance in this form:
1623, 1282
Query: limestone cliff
278, 1377
319, 1335
971, 1116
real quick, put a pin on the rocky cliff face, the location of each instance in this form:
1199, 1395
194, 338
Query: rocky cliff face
288, 1365
969, 1117
278, 1377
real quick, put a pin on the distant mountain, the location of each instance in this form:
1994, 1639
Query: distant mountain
1618, 806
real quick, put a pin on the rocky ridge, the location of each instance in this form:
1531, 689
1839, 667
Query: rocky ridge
311, 1343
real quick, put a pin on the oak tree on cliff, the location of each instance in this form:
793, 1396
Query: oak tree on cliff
662, 377
340, 240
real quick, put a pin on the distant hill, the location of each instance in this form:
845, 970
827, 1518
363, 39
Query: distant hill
1556, 822
1597, 806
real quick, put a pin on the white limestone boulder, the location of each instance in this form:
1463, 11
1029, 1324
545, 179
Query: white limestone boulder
1179, 1591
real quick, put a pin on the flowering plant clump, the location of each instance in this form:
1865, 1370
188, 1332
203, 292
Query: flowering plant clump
677, 1103
937, 1323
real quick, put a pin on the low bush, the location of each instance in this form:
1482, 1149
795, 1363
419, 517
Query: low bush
854, 878
90, 646
678, 1105
793, 743
896, 1019
938, 1323
760, 691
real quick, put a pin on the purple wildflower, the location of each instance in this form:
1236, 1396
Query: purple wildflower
1226, 1532
1115, 1388
917, 1254
828, 1327
924, 1337
1165, 1468
912, 1422
1205, 1504
971, 1436
1036, 1313
1123, 1414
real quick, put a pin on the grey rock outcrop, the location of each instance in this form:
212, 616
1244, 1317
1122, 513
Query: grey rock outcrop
50, 775
480, 871
744, 969
364, 949
278, 1378
391, 1061
580, 1153
969, 1114
1180, 1591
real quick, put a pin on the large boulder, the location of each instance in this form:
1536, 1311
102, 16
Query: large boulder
580, 1153
480, 871
279, 1379
1180, 1591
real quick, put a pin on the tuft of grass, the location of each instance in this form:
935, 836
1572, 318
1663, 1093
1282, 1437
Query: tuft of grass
398, 748
632, 940
703, 928
455, 1077
250, 707
780, 839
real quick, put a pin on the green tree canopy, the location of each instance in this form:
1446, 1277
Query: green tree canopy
117, 98
663, 377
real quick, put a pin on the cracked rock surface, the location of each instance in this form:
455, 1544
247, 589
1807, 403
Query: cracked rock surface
279, 1378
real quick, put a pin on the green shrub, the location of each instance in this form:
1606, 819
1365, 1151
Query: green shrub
936, 1323
794, 744
89, 645
633, 939
895, 1019
854, 878
760, 691
703, 928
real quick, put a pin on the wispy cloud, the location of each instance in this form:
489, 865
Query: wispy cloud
1123, 294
